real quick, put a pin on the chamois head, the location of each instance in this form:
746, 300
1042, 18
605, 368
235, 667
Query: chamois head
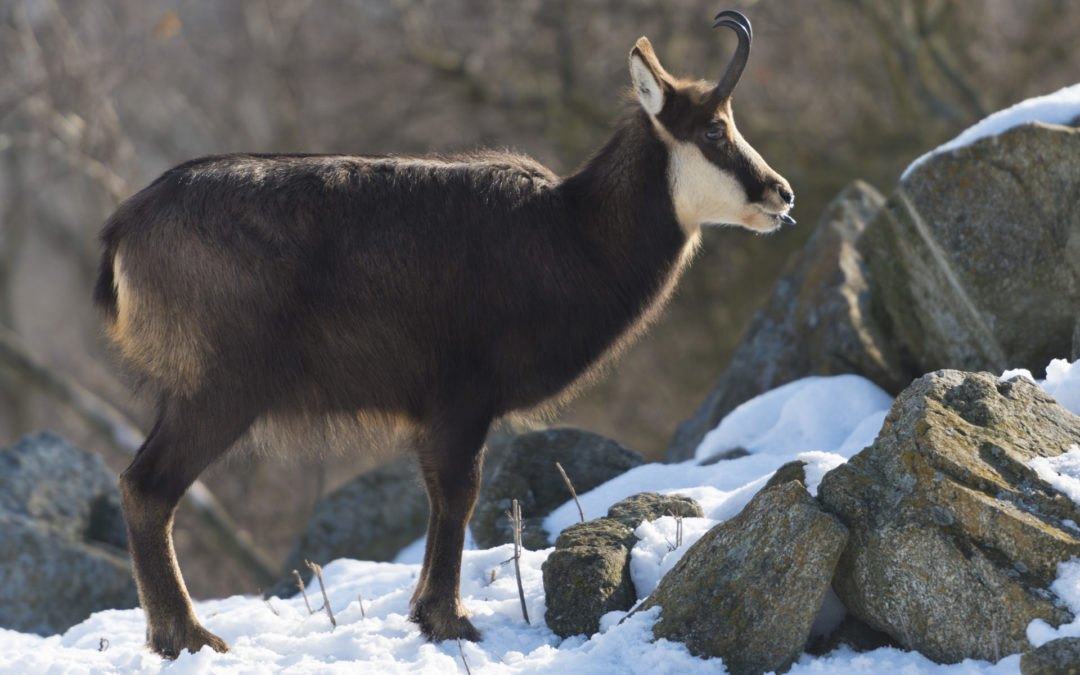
716, 177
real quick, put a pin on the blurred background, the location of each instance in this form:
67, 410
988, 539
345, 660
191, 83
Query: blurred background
98, 98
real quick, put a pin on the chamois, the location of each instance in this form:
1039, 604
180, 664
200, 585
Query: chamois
251, 294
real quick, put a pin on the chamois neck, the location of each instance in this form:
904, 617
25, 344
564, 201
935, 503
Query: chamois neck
622, 199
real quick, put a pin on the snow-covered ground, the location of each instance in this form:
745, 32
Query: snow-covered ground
1060, 107
822, 420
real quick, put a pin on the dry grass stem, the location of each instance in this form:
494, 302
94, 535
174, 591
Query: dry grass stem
303, 591
517, 524
463, 659
317, 569
573, 492
266, 601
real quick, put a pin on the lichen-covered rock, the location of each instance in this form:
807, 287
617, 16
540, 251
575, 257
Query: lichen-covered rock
792, 471
643, 506
588, 575
62, 538
973, 259
814, 323
749, 590
1057, 657
954, 539
528, 474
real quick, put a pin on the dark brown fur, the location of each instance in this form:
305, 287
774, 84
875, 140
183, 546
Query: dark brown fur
251, 290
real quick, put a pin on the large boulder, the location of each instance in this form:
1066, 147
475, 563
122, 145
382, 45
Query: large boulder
749, 590
954, 539
527, 473
814, 323
973, 260
62, 537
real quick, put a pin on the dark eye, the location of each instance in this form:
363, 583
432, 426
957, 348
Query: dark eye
715, 132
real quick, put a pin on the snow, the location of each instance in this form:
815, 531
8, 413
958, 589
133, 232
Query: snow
1062, 472
1060, 107
820, 420
1066, 587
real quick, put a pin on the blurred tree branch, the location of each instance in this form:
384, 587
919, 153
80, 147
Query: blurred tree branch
912, 35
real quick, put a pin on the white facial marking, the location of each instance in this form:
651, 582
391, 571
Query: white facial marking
648, 90
704, 194
701, 192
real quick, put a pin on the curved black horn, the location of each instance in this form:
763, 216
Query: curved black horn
739, 17
741, 25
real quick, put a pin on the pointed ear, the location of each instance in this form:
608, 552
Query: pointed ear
652, 84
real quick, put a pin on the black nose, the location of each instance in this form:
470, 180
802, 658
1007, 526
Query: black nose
785, 194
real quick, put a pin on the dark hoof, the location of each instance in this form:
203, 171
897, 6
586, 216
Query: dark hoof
437, 626
190, 636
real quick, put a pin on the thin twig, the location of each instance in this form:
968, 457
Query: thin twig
516, 524
303, 591
266, 601
463, 659
573, 492
678, 533
317, 569
360, 599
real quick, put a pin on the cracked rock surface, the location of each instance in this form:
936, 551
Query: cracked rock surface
954, 540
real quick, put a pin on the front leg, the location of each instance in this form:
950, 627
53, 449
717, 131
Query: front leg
450, 461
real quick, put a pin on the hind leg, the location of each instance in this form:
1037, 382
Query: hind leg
185, 440
450, 457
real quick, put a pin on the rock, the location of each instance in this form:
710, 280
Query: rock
749, 590
814, 323
528, 474
1057, 657
643, 506
973, 259
588, 575
372, 517
733, 453
1074, 352
62, 537
792, 471
947, 519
